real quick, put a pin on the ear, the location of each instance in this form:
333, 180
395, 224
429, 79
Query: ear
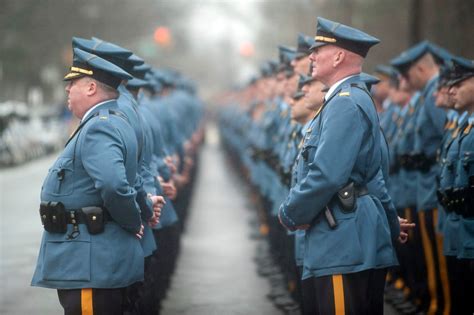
91, 88
338, 58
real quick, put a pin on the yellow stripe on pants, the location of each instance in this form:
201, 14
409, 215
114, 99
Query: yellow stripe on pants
86, 302
443, 267
338, 287
430, 265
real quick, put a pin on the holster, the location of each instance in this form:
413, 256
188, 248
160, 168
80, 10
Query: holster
347, 197
94, 218
53, 216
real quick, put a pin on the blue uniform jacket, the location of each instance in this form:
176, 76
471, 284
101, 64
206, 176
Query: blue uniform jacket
464, 174
447, 179
343, 146
100, 166
429, 133
129, 106
406, 145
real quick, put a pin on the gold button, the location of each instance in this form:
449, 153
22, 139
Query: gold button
94, 218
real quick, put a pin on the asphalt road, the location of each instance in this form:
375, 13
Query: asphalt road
20, 236
215, 272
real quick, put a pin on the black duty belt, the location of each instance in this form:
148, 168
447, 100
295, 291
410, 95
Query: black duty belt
79, 216
55, 218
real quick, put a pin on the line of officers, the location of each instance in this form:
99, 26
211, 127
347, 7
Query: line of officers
113, 204
425, 104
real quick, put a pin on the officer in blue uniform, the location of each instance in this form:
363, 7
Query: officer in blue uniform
126, 60
458, 199
313, 92
91, 249
348, 245
420, 67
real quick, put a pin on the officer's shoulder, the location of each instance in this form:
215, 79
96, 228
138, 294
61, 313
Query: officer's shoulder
346, 95
108, 118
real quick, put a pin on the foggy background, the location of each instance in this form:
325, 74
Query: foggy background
217, 43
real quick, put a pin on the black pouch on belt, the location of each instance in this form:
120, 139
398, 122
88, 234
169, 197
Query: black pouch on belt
95, 219
53, 217
347, 198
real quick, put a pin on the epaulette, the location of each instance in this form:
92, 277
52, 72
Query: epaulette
103, 114
468, 129
345, 90
469, 126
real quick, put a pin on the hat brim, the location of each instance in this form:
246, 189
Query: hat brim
301, 54
317, 45
458, 80
298, 95
73, 76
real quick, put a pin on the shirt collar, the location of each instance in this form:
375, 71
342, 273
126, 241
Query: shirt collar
336, 85
94, 107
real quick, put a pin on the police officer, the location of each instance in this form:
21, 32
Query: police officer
458, 228
91, 249
313, 97
346, 249
420, 67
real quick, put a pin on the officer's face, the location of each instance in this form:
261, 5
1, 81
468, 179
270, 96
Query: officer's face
404, 84
291, 84
77, 93
301, 66
299, 112
322, 61
381, 90
463, 95
442, 98
399, 96
314, 95
414, 77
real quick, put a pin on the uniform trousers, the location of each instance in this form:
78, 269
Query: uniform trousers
355, 293
92, 301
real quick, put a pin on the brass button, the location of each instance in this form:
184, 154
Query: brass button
94, 218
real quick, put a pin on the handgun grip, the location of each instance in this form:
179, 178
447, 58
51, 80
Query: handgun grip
330, 218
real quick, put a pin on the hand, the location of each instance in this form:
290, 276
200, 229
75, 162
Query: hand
188, 163
169, 162
139, 235
187, 147
169, 189
180, 180
158, 202
405, 226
